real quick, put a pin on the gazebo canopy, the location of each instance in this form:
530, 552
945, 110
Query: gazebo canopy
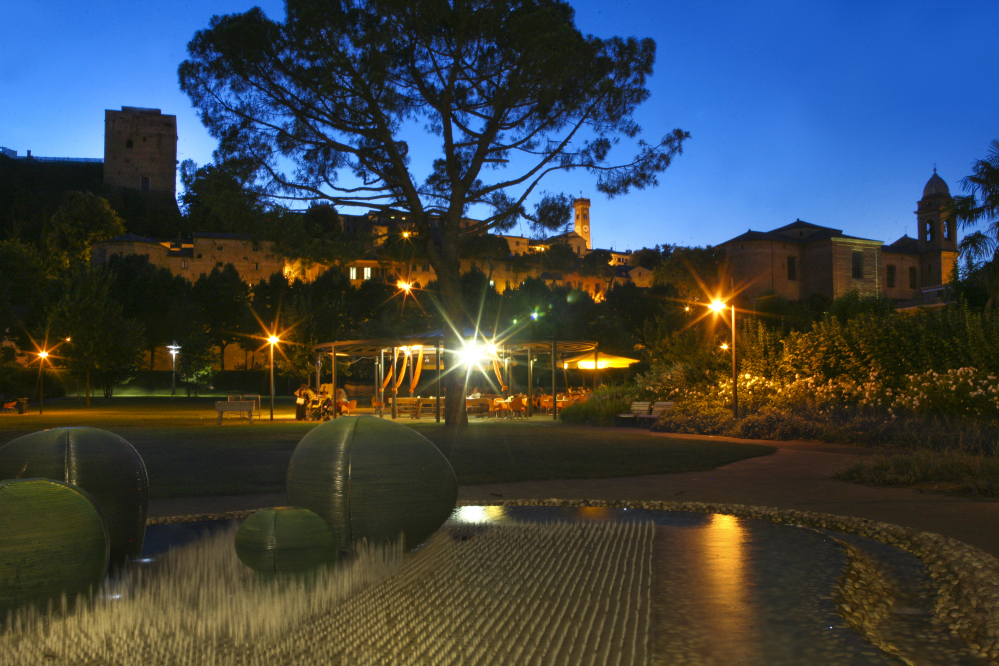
585, 361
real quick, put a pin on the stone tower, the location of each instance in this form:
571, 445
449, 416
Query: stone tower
937, 240
140, 150
582, 222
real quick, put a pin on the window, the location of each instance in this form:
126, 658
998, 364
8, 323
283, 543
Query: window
596, 288
256, 266
218, 264
199, 256
128, 143
219, 248
507, 284
858, 265
931, 229
144, 183
912, 278
492, 283
183, 264
426, 268
353, 272
948, 229
891, 276
792, 268
367, 272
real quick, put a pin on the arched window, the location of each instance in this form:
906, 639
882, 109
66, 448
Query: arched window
930, 230
948, 229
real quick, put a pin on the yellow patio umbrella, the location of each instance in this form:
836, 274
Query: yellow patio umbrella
585, 361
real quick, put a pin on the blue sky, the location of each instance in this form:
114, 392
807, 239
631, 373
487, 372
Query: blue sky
834, 113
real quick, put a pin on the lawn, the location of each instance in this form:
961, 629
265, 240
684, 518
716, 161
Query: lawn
187, 455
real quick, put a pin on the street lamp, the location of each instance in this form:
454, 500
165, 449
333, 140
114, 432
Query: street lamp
718, 306
273, 340
42, 356
174, 349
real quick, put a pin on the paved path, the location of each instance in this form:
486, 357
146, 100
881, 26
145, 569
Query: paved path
798, 476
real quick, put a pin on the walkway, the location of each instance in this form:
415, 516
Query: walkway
798, 476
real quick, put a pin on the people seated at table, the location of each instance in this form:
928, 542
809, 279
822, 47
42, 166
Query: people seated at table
476, 393
341, 400
302, 398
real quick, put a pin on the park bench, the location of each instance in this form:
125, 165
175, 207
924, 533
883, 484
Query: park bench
657, 409
10, 407
637, 409
226, 406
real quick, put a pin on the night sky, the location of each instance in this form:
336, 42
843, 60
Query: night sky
834, 113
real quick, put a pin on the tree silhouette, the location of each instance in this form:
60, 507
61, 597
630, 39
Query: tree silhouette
322, 102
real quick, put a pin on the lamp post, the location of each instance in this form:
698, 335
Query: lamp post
42, 355
273, 340
174, 348
718, 306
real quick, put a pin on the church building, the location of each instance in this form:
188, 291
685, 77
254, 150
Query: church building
801, 259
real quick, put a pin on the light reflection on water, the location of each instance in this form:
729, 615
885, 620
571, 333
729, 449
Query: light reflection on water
478, 515
726, 589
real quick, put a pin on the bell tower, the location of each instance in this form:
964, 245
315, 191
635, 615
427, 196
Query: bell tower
936, 229
582, 221
937, 239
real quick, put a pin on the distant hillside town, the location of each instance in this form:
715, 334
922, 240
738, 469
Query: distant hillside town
138, 175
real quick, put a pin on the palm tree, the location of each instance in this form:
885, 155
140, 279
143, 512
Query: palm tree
981, 205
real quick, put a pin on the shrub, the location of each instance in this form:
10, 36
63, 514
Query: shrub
697, 418
948, 470
778, 424
601, 407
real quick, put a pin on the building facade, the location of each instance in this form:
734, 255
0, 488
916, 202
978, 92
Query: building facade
140, 150
802, 259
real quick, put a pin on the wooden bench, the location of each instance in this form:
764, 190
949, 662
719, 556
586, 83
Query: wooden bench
225, 406
637, 409
657, 409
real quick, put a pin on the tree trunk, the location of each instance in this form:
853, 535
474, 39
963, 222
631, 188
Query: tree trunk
222, 346
449, 283
88, 389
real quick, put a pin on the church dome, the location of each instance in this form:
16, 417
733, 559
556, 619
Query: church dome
936, 185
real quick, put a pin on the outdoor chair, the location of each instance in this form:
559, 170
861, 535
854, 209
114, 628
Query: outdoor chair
652, 417
10, 407
497, 406
377, 405
637, 409
415, 409
518, 406
547, 403
350, 408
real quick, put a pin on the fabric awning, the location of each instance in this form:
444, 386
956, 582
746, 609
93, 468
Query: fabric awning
585, 361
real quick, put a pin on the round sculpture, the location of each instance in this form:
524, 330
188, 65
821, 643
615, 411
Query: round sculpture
285, 539
100, 462
372, 479
52, 542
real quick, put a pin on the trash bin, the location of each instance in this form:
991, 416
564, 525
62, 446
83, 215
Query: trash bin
22, 406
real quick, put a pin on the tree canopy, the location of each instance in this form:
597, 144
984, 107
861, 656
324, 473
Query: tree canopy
981, 205
323, 104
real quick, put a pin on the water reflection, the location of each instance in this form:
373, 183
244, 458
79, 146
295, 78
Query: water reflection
478, 515
726, 588
596, 513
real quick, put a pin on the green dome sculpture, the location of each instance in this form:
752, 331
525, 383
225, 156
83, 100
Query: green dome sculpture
100, 462
285, 539
372, 479
52, 542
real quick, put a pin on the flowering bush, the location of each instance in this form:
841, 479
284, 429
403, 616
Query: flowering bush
601, 407
958, 392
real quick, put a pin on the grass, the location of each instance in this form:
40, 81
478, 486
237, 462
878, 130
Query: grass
188, 455
941, 471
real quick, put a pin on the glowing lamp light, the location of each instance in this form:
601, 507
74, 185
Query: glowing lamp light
534, 316
588, 365
405, 286
725, 346
43, 354
686, 308
717, 305
273, 339
490, 349
69, 339
405, 234
470, 354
